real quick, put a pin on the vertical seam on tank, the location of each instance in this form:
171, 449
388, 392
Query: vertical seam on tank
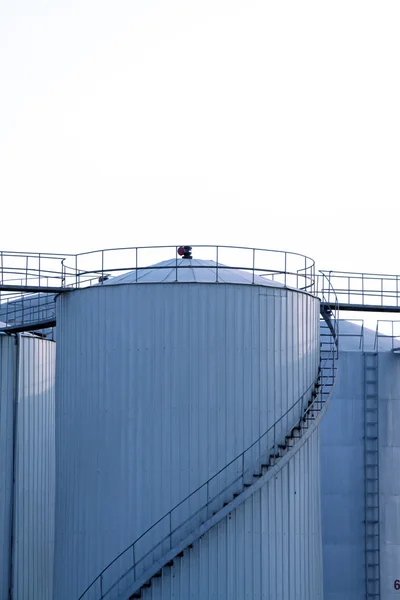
14, 463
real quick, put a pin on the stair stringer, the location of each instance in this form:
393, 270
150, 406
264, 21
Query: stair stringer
232, 505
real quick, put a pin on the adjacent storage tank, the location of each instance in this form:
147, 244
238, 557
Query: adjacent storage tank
360, 462
160, 383
27, 467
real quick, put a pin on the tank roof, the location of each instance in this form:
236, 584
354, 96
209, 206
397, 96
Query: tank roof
191, 271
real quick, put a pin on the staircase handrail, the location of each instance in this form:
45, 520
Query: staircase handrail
326, 296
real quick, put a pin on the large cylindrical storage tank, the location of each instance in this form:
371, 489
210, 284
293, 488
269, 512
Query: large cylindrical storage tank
27, 467
161, 383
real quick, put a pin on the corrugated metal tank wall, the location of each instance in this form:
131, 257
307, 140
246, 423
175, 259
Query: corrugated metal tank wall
268, 548
27, 379
158, 387
389, 470
342, 484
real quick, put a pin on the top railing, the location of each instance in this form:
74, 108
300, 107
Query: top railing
31, 272
288, 268
387, 335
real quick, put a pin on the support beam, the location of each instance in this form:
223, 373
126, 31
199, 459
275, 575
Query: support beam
5, 287
363, 307
28, 326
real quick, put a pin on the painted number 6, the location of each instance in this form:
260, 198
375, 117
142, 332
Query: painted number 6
397, 585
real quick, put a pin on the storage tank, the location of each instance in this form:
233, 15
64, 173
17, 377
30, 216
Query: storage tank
164, 376
27, 467
360, 459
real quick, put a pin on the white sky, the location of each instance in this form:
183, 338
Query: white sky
261, 123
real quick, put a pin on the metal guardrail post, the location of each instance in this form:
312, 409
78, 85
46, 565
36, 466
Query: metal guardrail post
362, 288
285, 269
217, 261
254, 261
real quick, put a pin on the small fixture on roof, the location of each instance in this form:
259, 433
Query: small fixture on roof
185, 251
103, 278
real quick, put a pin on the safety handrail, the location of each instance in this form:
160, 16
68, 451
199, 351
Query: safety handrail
329, 297
240, 478
27, 309
365, 289
292, 267
392, 335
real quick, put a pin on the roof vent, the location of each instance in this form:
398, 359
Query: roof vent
185, 251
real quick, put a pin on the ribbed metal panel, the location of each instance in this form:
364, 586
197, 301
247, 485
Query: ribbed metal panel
35, 471
269, 548
342, 484
159, 386
27, 391
7, 381
389, 469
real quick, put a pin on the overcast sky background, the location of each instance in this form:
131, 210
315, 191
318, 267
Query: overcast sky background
261, 123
